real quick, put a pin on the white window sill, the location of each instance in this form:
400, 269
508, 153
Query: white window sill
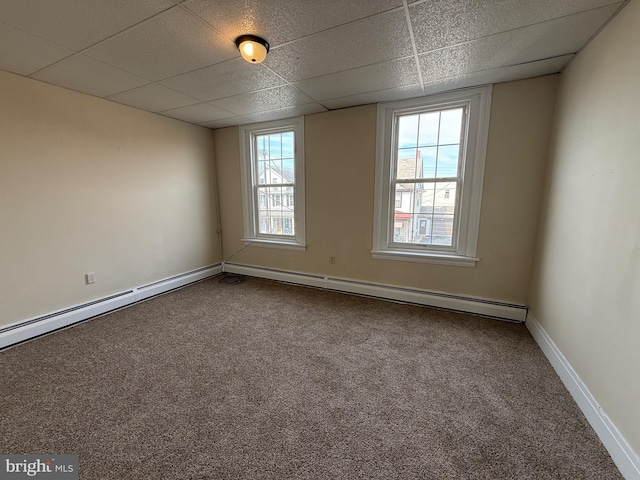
261, 242
436, 258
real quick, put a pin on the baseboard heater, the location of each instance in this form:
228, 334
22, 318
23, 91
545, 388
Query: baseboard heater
478, 306
35, 327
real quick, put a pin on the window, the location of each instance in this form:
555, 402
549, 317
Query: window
430, 154
273, 182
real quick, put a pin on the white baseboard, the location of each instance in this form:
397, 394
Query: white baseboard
621, 452
34, 327
176, 281
473, 305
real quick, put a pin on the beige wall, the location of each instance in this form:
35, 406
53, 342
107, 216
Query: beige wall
586, 289
340, 158
90, 185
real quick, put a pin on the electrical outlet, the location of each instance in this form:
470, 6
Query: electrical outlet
91, 277
332, 260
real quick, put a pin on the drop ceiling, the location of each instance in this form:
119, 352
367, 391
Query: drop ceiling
178, 58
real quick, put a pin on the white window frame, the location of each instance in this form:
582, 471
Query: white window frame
477, 104
249, 174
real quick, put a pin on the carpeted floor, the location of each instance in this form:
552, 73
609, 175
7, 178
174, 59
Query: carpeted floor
269, 381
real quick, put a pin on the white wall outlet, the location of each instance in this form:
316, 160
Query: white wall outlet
91, 277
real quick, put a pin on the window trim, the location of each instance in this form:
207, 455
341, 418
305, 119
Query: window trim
463, 251
248, 175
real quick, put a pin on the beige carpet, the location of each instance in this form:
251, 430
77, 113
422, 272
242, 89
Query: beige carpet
269, 381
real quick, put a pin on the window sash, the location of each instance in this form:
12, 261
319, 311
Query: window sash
417, 217
270, 204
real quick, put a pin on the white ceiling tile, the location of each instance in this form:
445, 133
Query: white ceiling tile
468, 57
528, 70
543, 10
280, 21
90, 76
76, 24
372, 40
440, 23
307, 109
224, 80
557, 37
228, 122
264, 100
381, 76
400, 93
153, 98
200, 113
29, 53
502, 74
159, 55
169, 44
543, 40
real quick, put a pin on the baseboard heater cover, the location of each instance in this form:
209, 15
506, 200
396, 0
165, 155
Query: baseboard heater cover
478, 306
25, 330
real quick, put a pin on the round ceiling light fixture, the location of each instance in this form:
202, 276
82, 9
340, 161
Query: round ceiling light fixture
252, 48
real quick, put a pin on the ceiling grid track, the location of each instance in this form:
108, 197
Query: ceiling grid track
413, 43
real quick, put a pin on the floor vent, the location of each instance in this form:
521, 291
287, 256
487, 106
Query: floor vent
232, 279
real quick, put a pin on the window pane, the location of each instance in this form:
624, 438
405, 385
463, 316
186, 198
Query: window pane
264, 218
276, 223
417, 154
424, 213
429, 124
275, 145
276, 214
408, 131
428, 155
450, 126
427, 198
264, 209
288, 171
402, 223
262, 148
275, 156
274, 173
408, 207
445, 198
287, 199
425, 217
448, 161
442, 230
287, 146
407, 164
